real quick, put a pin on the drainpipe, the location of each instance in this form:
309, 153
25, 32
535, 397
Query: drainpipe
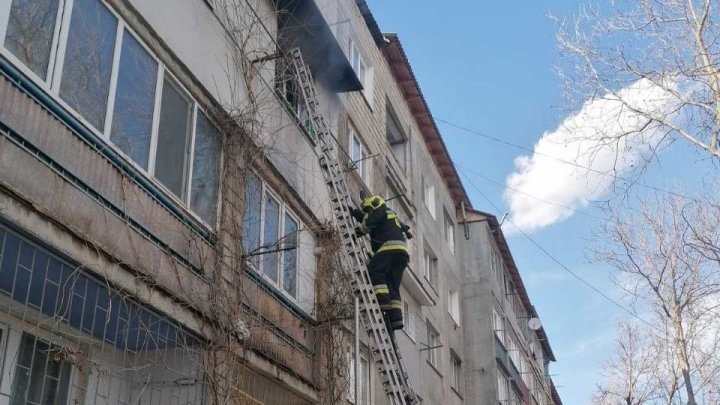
464, 217
357, 350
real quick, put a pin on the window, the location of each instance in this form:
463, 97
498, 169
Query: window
351, 376
104, 75
134, 101
409, 318
497, 266
365, 395
456, 370
365, 398
173, 138
39, 377
430, 266
498, 327
395, 136
503, 395
514, 351
428, 196
433, 341
287, 85
270, 235
30, 33
358, 155
449, 232
357, 62
454, 306
85, 83
205, 180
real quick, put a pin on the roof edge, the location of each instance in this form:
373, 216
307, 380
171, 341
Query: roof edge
499, 237
439, 152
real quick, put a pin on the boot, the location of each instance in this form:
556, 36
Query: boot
395, 317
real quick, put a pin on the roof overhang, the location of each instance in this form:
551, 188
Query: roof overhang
404, 76
302, 25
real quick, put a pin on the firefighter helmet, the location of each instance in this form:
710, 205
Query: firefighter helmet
372, 202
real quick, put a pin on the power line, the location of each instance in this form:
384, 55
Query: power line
489, 180
558, 262
571, 163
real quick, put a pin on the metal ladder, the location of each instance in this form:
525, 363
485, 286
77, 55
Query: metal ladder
382, 342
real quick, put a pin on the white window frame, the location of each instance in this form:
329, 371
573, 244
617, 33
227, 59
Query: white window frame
429, 197
430, 263
361, 165
499, 326
51, 85
449, 228
409, 318
455, 371
283, 210
503, 387
365, 375
9, 350
454, 306
433, 339
366, 74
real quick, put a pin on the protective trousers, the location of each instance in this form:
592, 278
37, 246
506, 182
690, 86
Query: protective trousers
386, 270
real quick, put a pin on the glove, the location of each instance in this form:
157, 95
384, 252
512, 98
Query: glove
356, 213
406, 231
359, 231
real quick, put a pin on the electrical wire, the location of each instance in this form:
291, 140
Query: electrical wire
571, 163
558, 262
497, 183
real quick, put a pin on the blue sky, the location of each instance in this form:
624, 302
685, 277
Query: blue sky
489, 66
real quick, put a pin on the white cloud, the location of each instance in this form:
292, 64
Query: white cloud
584, 138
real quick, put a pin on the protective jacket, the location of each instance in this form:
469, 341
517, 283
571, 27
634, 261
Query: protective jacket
382, 224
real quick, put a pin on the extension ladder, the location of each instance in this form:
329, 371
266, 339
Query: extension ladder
382, 342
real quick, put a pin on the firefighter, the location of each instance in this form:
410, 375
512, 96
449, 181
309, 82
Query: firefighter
389, 255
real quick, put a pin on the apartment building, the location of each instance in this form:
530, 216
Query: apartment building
512, 354
162, 213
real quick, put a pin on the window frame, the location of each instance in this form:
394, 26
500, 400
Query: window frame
433, 339
449, 231
429, 197
352, 377
12, 334
51, 85
454, 306
455, 371
409, 318
503, 387
283, 210
430, 264
499, 321
368, 75
361, 166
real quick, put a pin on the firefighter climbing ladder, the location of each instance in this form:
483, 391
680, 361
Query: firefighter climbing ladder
382, 342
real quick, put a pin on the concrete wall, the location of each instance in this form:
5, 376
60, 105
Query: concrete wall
477, 303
